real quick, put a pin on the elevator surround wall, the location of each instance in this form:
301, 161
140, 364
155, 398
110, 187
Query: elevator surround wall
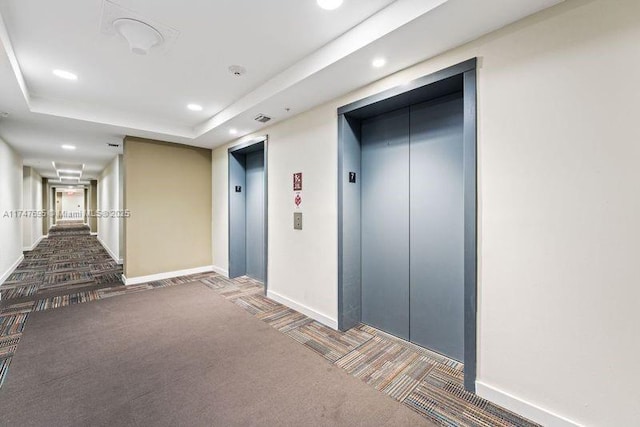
168, 194
557, 236
407, 228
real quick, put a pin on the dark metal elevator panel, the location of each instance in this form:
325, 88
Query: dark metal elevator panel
237, 206
437, 226
255, 225
385, 222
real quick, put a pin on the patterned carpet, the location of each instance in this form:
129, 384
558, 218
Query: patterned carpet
426, 382
66, 268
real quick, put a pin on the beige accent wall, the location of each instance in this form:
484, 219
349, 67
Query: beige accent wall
45, 205
168, 193
93, 205
558, 156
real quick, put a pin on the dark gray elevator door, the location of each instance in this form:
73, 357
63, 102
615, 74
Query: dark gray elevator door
412, 224
255, 225
385, 222
437, 226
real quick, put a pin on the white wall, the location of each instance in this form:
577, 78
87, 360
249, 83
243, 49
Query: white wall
109, 199
10, 201
558, 206
32, 204
220, 215
302, 268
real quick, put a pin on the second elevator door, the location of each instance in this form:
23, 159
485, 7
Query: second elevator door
412, 224
255, 225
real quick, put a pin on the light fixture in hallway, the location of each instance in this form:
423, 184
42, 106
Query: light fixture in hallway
330, 4
379, 63
68, 147
194, 107
67, 75
69, 172
233, 131
141, 36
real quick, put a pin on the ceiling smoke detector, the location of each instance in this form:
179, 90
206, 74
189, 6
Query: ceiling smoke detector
142, 37
262, 118
237, 70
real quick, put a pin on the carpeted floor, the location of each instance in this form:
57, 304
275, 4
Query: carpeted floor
68, 262
426, 382
179, 356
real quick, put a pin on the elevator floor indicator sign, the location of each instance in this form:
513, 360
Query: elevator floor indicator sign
298, 200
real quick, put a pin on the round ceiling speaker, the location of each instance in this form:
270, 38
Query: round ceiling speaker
141, 37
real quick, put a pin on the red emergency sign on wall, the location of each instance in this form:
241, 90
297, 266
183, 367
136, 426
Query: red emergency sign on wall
297, 181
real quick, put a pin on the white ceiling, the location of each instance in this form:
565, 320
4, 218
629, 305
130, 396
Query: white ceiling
296, 55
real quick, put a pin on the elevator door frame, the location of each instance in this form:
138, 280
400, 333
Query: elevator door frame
458, 78
245, 148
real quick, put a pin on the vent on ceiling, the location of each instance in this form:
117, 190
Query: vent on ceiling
262, 118
113, 145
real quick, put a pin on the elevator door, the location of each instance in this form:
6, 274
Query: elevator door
412, 224
385, 222
437, 227
255, 225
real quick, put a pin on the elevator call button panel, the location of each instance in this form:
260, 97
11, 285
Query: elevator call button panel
297, 220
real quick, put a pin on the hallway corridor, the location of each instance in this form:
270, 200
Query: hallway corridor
71, 262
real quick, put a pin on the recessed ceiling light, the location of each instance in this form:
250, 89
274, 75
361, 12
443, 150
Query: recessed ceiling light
69, 147
194, 107
329, 4
67, 75
379, 62
233, 131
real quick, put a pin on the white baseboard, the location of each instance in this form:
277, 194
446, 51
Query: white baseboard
167, 275
325, 320
221, 271
115, 258
521, 407
33, 246
94, 234
10, 270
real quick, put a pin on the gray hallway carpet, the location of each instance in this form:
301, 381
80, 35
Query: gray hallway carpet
179, 356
